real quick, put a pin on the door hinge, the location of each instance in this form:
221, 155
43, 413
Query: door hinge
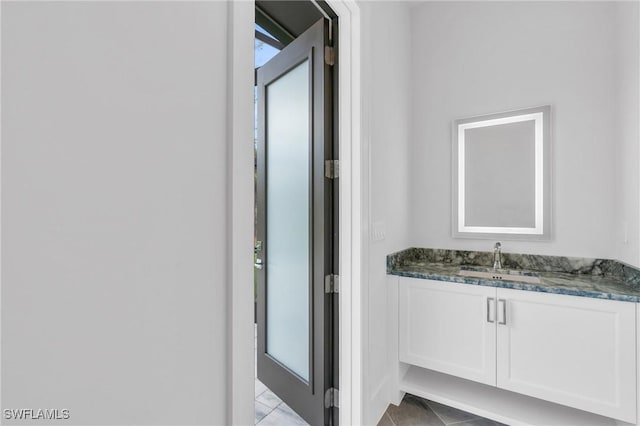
332, 398
331, 283
329, 56
332, 169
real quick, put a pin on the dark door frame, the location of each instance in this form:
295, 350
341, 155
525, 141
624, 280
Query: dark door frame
324, 324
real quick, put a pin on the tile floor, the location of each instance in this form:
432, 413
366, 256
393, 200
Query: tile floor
269, 409
417, 411
413, 411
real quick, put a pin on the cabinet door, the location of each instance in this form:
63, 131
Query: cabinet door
448, 327
575, 351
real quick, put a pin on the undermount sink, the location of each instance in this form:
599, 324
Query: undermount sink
499, 275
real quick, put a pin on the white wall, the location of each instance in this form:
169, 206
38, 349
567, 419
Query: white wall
114, 220
628, 136
426, 64
386, 125
471, 58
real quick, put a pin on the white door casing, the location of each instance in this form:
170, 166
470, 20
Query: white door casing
240, 295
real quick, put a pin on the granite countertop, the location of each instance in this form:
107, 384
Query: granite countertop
596, 278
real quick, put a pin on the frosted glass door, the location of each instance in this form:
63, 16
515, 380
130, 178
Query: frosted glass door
288, 213
295, 228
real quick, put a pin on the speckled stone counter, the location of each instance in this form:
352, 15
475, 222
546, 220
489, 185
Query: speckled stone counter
597, 278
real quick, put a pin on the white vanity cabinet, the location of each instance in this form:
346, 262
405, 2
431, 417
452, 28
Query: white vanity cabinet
445, 327
575, 351
579, 352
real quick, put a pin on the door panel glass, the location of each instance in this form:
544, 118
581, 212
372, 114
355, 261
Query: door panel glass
288, 219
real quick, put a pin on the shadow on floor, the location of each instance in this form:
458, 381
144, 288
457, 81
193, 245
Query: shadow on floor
416, 411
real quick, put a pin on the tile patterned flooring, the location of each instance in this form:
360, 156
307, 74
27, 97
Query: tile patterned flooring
413, 411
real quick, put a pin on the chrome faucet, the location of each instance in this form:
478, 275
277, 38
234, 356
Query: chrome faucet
497, 256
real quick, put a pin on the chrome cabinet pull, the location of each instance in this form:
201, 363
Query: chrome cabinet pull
504, 312
490, 302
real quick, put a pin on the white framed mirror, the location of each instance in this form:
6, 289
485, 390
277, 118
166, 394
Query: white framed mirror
502, 175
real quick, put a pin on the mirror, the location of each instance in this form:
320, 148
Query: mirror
501, 175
